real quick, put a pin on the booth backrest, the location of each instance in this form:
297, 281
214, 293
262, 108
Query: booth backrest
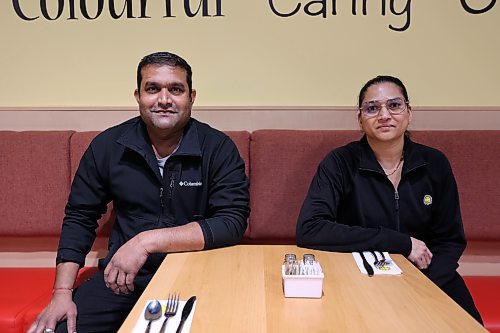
34, 182
475, 158
36, 169
282, 164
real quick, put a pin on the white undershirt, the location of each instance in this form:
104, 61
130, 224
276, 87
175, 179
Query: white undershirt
163, 160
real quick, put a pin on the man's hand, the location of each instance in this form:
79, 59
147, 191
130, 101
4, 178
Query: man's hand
420, 254
121, 271
61, 307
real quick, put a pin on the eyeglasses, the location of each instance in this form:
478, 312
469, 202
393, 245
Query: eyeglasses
393, 105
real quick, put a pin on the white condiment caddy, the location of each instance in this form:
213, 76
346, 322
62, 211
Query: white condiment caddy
302, 278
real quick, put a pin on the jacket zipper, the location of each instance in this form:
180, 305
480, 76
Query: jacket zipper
396, 193
169, 194
396, 199
171, 187
162, 204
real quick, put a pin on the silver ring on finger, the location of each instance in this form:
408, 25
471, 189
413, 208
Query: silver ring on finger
48, 330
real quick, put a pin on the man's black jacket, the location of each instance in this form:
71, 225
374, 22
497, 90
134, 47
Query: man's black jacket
203, 181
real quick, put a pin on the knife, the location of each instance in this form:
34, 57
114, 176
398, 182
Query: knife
368, 268
185, 312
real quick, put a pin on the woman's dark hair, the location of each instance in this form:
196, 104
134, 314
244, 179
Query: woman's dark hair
382, 79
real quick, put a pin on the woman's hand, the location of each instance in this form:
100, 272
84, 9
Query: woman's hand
420, 254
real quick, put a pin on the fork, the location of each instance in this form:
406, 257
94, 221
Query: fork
170, 309
377, 263
383, 261
380, 263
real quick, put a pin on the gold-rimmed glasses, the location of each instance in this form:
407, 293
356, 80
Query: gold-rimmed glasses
393, 105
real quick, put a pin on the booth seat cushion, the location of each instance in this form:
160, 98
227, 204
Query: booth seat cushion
283, 163
24, 292
485, 291
21, 287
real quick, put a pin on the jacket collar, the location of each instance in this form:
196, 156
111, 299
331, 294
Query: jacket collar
413, 157
137, 139
190, 144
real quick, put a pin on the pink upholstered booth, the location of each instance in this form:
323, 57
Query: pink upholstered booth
36, 169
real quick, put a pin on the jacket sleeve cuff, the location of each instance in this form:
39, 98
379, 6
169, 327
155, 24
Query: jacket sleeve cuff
399, 242
207, 234
70, 256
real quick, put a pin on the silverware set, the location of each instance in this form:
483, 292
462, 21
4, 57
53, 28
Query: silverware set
379, 263
153, 312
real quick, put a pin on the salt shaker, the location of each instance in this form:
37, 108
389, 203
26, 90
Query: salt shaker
290, 262
308, 258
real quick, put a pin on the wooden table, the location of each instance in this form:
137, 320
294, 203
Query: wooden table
239, 289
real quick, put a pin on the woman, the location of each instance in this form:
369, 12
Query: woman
387, 193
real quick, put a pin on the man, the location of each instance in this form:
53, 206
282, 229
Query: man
176, 185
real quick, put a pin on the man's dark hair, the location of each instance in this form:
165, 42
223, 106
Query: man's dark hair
164, 59
382, 79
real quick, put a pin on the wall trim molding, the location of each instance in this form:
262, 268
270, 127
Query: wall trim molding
242, 108
249, 118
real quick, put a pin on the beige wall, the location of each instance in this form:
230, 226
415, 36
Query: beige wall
252, 68
250, 56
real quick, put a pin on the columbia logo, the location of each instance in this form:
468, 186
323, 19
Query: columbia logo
189, 183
